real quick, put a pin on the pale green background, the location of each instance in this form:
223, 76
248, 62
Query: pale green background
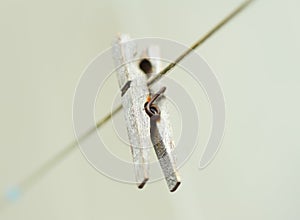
44, 47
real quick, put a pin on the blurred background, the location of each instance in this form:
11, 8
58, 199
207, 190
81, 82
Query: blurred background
44, 48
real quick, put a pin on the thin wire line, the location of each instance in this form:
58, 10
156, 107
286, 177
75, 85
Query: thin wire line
51, 163
200, 41
24, 185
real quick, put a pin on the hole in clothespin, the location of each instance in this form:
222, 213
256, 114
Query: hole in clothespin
146, 66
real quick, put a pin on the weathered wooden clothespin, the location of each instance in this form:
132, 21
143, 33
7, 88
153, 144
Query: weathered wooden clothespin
147, 122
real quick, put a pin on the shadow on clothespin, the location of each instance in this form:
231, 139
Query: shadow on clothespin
147, 123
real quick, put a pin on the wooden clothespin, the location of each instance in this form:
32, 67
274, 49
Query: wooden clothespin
147, 122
